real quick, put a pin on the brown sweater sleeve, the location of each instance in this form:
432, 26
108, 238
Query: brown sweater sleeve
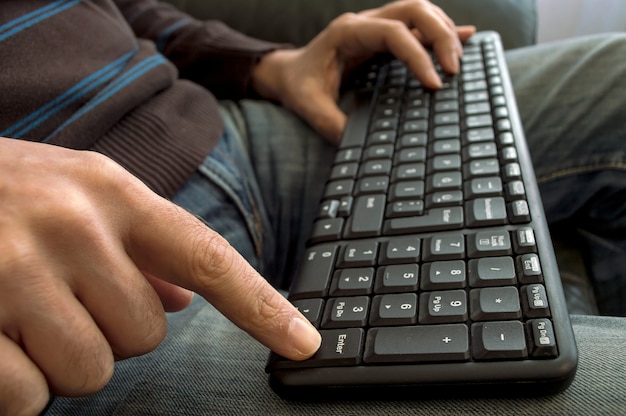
206, 52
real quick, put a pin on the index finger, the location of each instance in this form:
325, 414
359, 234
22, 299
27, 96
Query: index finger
430, 24
173, 245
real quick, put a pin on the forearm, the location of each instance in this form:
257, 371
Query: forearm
207, 52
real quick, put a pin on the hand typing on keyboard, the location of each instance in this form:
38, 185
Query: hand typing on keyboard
307, 80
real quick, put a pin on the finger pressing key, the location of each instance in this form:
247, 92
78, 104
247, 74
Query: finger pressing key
189, 254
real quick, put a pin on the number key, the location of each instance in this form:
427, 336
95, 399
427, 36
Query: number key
443, 307
397, 309
346, 312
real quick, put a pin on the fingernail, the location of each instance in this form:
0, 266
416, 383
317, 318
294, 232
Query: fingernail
303, 337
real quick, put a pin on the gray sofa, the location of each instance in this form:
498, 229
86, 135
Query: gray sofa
297, 21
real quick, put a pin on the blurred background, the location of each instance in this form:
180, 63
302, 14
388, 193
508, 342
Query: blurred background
565, 18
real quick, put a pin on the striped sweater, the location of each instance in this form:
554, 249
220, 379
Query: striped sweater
127, 78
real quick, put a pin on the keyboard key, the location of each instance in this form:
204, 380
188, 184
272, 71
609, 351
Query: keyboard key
408, 172
494, 303
482, 212
396, 309
367, 217
345, 206
499, 341
348, 155
478, 187
407, 190
315, 273
489, 243
411, 155
329, 209
529, 269
481, 150
352, 282
326, 229
515, 190
417, 344
397, 278
448, 306
519, 212
479, 135
444, 163
445, 181
311, 309
344, 171
444, 199
535, 301
524, 240
400, 250
359, 254
449, 274
435, 219
340, 347
543, 342
372, 185
482, 167
492, 271
405, 208
339, 188
444, 247
346, 312
383, 151
447, 132
446, 146
375, 168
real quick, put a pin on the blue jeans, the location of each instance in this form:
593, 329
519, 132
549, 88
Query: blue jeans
260, 187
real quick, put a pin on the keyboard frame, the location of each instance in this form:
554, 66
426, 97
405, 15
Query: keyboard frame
530, 377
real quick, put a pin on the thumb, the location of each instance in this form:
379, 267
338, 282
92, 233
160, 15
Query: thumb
173, 245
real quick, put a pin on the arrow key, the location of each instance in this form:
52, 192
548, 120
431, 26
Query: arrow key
401, 250
396, 309
352, 282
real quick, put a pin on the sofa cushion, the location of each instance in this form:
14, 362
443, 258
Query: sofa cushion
297, 21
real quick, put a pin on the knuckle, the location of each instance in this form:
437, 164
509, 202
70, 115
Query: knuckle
92, 374
80, 361
267, 307
149, 333
344, 18
213, 261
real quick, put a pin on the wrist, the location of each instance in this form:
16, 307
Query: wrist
268, 74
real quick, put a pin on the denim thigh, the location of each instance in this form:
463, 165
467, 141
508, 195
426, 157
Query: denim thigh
571, 99
260, 186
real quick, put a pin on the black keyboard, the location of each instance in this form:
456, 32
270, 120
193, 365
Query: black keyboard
430, 268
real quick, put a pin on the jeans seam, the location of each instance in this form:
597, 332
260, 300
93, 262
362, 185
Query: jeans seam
580, 170
252, 225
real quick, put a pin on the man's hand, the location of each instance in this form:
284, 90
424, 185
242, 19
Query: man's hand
90, 259
307, 80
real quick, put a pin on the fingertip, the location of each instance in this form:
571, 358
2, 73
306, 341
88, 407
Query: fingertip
465, 32
304, 339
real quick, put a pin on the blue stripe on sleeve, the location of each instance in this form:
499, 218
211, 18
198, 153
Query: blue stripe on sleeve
114, 87
86, 85
164, 36
17, 25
